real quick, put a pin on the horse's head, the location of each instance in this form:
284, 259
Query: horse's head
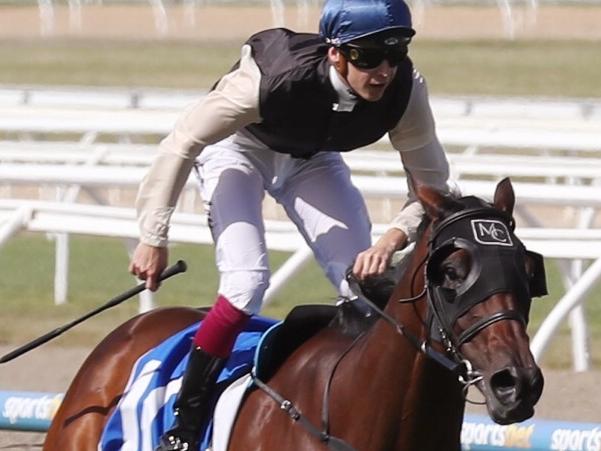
480, 281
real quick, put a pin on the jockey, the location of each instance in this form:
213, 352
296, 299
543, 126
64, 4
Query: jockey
277, 122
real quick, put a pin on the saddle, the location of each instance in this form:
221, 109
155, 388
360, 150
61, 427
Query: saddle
351, 317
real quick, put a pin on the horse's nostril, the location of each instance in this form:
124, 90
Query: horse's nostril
504, 385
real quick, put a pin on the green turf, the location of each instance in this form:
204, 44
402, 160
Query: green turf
99, 272
526, 68
534, 68
114, 63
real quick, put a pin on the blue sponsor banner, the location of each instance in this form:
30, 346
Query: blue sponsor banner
480, 433
33, 411
28, 411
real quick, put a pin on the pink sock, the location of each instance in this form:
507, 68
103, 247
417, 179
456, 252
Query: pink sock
219, 329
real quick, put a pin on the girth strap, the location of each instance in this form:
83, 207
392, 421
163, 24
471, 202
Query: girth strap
470, 332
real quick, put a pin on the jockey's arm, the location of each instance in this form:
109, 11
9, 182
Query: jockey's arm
423, 157
231, 105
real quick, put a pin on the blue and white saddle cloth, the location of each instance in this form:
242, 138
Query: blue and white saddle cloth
146, 408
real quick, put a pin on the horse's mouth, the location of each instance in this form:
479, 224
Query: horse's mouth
512, 393
502, 414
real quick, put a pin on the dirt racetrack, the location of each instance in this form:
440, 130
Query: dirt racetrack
215, 22
568, 396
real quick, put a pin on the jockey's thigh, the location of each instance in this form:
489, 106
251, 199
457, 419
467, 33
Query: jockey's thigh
233, 190
329, 211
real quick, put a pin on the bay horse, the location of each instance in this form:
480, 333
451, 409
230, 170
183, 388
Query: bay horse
456, 318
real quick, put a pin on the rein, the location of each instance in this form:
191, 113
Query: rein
462, 367
423, 346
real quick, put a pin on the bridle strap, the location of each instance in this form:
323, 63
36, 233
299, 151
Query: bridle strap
420, 345
474, 329
456, 367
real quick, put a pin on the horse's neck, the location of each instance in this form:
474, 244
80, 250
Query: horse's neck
433, 397
409, 315
423, 390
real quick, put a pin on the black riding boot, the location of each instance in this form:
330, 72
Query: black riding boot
191, 403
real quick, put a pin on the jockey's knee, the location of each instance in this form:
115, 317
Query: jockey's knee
245, 289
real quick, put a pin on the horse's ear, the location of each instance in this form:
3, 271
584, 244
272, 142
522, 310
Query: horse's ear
436, 203
504, 199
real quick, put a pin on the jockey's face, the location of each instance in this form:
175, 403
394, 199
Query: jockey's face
369, 84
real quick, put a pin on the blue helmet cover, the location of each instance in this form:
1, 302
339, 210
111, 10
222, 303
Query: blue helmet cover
345, 20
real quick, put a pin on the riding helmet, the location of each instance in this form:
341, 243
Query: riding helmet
343, 21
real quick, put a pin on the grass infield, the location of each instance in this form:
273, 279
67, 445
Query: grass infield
523, 68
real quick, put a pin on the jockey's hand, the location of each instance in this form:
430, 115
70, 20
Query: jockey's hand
147, 263
375, 260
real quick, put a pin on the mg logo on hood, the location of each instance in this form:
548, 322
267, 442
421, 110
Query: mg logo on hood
491, 232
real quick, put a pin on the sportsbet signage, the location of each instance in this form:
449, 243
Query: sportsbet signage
479, 433
33, 411
28, 411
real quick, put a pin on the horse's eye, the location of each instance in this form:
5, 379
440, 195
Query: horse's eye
453, 269
451, 273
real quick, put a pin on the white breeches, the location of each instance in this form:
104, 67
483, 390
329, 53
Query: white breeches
317, 194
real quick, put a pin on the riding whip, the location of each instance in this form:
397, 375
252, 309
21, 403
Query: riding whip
177, 268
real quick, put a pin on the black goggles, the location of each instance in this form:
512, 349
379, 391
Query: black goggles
370, 58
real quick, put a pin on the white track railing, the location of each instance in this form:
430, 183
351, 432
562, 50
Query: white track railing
58, 217
444, 106
552, 146
524, 166
75, 218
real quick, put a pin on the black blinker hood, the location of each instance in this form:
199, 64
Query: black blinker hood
498, 262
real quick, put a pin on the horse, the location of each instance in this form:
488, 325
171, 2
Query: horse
456, 318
